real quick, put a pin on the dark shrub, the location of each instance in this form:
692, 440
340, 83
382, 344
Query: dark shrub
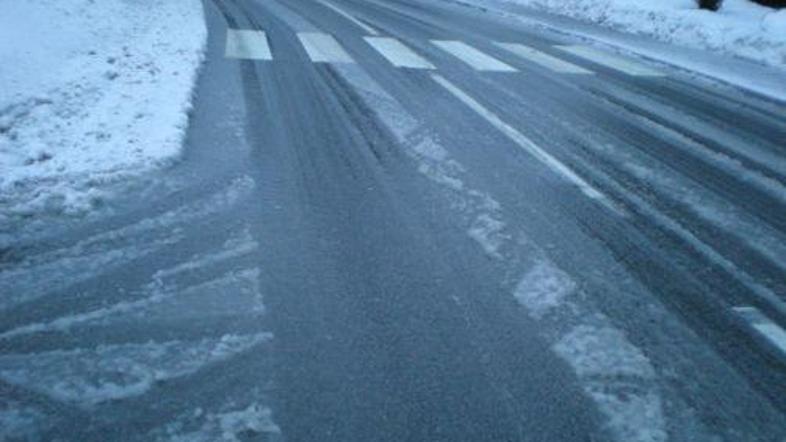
712, 5
772, 3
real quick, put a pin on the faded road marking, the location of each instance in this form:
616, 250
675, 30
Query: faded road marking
528, 145
247, 44
612, 61
473, 57
348, 16
553, 63
398, 54
323, 48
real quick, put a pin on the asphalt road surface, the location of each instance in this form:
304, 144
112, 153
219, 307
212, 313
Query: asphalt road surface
412, 220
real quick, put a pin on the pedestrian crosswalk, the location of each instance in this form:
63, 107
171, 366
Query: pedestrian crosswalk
612, 61
246, 44
325, 48
550, 62
473, 57
398, 54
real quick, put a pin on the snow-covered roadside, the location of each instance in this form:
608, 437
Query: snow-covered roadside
91, 92
741, 28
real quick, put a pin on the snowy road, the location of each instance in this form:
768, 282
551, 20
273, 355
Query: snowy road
409, 220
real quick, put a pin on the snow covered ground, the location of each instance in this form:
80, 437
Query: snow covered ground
741, 28
91, 92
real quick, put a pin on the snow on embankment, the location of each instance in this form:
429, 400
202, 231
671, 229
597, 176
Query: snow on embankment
741, 28
91, 92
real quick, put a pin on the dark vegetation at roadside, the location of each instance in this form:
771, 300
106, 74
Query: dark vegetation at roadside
714, 5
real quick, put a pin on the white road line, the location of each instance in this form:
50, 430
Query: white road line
612, 61
247, 44
349, 17
771, 331
398, 54
528, 145
323, 48
472, 56
543, 59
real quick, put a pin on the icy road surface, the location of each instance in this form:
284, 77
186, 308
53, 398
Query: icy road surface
409, 220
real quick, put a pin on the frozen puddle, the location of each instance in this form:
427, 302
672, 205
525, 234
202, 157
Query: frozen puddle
92, 376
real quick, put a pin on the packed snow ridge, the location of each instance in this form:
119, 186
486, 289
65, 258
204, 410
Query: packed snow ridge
91, 92
740, 28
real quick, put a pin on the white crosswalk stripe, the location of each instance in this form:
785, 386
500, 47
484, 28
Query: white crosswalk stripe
247, 44
473, 57
398, 54
550, 62
612, 61
323, 48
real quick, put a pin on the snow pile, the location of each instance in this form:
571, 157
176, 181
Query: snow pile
619, 378
613, 372
544, 288
91, 92
251, 423
741, 28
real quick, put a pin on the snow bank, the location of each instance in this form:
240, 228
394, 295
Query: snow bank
741, 28
91, 92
